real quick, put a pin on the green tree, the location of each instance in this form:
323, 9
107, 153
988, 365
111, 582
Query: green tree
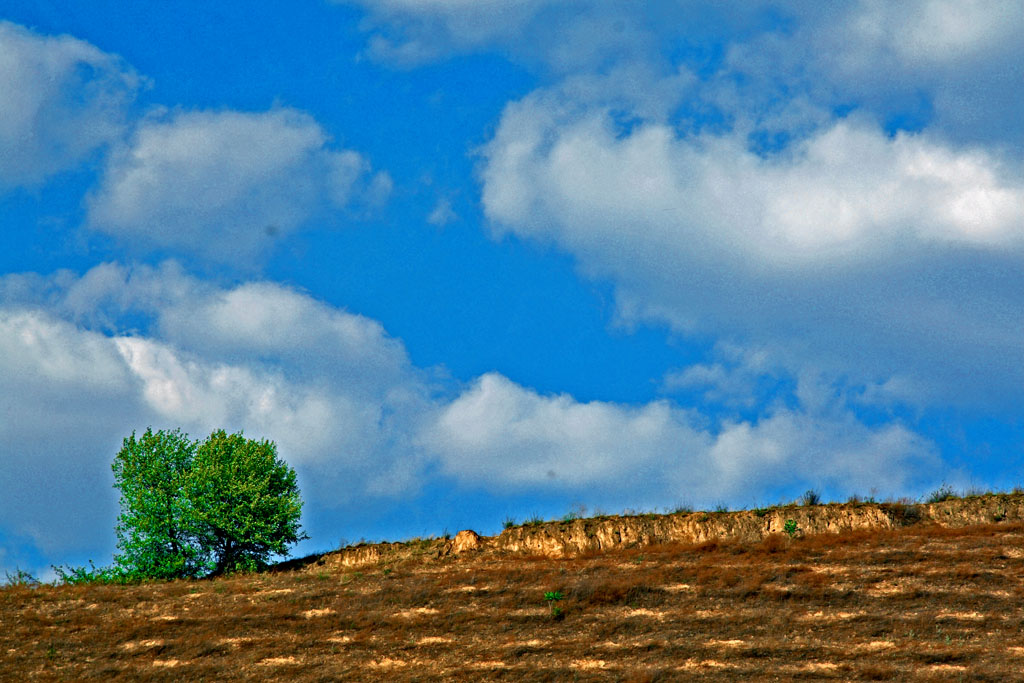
245, 501
154, 530
187, 508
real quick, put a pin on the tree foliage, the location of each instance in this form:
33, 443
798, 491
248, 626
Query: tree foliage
154, 529
246, 503
190, 508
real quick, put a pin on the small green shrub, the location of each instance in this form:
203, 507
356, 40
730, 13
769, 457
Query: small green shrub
508, 523
103, 575
721, 507
791, 528
943, 493
552, 597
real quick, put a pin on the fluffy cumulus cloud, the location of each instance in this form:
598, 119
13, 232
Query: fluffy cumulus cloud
63, 99
64, 397
226, 184
929, 62
820, 190
847, 191
854, 246
929, 31
507, 437
965, 53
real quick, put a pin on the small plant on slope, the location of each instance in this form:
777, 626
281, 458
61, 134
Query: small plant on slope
790, 527
103, 575
552, 597
944, 492
20, 577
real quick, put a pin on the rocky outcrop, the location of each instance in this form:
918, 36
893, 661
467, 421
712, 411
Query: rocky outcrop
568, 538
558, 539
466, 540
975, 510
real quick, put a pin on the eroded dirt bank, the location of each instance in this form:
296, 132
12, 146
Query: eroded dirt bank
579, 536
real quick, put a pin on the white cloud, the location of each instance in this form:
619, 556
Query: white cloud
411, 32
63, 99
850, 249
733, 380
560, 35
940, 56
931, 31
840, 454
308, 422
966, 54
953, 66
442, 214
265, 321
845, 191
64, 397
506, 437
225, 185
510, 436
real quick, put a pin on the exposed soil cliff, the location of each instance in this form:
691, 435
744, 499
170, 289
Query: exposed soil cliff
578, 536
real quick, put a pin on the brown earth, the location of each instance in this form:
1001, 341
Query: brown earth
860, 592
572, 537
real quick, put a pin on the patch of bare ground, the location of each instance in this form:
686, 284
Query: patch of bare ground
922, 603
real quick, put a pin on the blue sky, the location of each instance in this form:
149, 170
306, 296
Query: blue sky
466, 260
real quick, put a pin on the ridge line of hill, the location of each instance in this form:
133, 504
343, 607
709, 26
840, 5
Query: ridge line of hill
571, 537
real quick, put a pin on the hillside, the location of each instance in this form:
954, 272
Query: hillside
856, 592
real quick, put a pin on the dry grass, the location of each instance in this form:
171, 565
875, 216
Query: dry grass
922, 603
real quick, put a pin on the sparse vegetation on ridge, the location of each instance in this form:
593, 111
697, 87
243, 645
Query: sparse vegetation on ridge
943, 493
904, 510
